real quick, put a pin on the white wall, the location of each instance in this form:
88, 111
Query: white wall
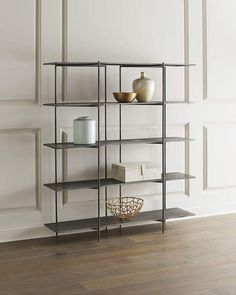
32, 32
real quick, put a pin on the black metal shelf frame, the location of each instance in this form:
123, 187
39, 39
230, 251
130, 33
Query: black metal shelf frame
100, 183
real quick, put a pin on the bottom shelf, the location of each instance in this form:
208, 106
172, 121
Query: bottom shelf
91, 223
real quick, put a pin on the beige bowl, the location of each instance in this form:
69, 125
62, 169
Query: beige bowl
124, 96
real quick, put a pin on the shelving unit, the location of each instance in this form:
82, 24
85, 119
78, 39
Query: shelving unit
99, 222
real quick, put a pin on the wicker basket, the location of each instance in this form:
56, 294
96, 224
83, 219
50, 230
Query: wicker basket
125, 208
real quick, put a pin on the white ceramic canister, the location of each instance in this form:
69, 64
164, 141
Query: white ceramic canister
84, 130
144, 87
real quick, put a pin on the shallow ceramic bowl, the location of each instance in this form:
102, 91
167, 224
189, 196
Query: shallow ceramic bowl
124, 96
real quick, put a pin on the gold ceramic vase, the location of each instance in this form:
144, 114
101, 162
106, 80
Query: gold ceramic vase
144, 87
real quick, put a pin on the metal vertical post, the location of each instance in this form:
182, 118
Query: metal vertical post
163, 148
55, 152
105, 94
99, 176
120, 114
120, 132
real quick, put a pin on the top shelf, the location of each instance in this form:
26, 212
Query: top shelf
121, 64
102, 103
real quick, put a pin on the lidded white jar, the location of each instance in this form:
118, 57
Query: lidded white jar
84, 130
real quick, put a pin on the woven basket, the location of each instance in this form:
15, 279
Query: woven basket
125, 208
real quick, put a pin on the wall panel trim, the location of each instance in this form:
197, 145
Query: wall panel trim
38, 181
186, 49
37, 63
206, 186
64, 45
204, 48
38, 18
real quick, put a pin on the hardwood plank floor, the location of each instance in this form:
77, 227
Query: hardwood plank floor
194, 257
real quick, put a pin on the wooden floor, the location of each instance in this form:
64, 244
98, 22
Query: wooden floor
194, 257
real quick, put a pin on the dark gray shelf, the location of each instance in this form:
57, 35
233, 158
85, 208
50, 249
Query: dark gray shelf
178, 176
156, 215
152, 102
72, 64
89, 184
74, 104
146, 65
70, 145
102, 103
93, 183
158, 140
122, 64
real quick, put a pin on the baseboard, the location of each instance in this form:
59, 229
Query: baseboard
24, 233
40, 231
213, 210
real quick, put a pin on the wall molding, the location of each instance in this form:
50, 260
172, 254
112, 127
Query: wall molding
206, 186
38, 181
64, 138
205, 57
204, 50
205, 153
37, 55
187, 159
24, 233
64, 46
186, 50
38, 16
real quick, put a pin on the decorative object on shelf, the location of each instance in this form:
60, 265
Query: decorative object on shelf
84, 130
128, 172
144, 87
125, 208
125, 97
